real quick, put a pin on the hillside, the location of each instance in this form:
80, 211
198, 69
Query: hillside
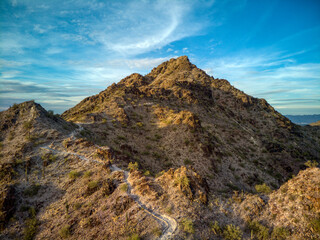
174, 154
178, 115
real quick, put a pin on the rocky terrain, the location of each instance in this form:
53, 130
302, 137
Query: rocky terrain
173, 154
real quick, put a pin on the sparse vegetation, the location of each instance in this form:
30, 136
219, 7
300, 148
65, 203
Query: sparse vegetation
311, 164
231, 232
182, 181
27, 125
263, 188
216, 229
187, 225
92, 186
87, 174
124, 187
314, 225
134, 236
139, 124
31, 225
133, 166
187, 162
260, 232
32, 190
280, 233
64, 232
73, 174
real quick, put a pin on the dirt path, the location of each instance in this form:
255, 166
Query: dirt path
169, 224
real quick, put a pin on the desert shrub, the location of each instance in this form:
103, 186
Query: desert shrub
311, 164
73, 174
182, 181
77, 206
32, 190
27, 125
187, 162
133, 166
93, 185
139, 124
160, 174
87, 174
157, 232
50, 113
215, 228
279, 233
263, 188
134, 236
169, 210
261, 232
31, 225
124, 187
231, 232
314, 225
49, 158
147, 173
15, 106
187, 225
64, 232
122, 138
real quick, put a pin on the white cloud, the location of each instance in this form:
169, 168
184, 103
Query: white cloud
274, 76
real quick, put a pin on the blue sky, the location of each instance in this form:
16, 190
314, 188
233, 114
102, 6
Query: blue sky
59, 52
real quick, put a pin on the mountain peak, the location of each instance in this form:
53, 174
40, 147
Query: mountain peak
173, 65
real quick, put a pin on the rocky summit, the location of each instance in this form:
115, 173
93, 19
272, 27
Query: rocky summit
174, 154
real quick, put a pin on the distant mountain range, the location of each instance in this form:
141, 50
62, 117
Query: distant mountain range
304, 119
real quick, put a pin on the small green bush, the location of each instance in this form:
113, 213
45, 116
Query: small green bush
216, 229
93, 185
124, 187
64, 232
133, 166
279, 233
77, 206
87, 174
187, 162
31, 228
32, 190
311, 164
169, 210
314, 225
27, 125
157, 232
139, 124
187, 225
231, 232
261, 232
263, 188
73, 174
183, 181
134, 236
31, 225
